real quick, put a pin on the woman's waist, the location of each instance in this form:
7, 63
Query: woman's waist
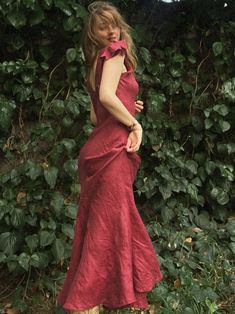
104, 115
110, 124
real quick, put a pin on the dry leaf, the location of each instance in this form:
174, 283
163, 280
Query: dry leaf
10, 311
177, 283
188, 240
20, 195
197, 230
156, 147
67, 201
153, 309
8, 305
45, 165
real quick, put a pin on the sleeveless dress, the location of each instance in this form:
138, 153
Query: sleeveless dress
113, 262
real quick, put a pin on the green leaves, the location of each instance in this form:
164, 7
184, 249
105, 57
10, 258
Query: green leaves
166, 191
58, 249
167, 214
185, 186
46, 238
17, 217
157, 102
215, 115
50, 175
192, 191
8, 242
71, 23
63, 6
57, 202
68, 230
217, 48
70, 166
58, 107
145, 54
34, 170
24, 261
36, 17
222, 198
73, 107
32, 242
46, 52
192, 166
16, 17
71, 211
225, 125
228, 89
220, 195
6, 112
221, 109
39, 260
71, 54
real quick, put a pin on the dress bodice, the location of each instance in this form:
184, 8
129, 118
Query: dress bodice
127, 88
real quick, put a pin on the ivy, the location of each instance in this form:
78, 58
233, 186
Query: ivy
185, 186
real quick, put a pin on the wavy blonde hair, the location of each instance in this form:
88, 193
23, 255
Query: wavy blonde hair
90, 44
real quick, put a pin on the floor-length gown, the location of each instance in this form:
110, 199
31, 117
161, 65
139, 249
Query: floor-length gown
113, 261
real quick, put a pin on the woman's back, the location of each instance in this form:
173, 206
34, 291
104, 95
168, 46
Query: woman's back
127, 89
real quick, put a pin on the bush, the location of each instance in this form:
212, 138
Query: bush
185, 187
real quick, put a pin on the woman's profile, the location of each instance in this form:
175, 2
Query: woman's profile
113, 262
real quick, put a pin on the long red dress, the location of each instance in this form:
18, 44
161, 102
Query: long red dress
113, 261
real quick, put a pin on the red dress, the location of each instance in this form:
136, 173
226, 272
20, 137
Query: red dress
113, 261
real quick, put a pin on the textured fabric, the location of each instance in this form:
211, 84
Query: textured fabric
113, 261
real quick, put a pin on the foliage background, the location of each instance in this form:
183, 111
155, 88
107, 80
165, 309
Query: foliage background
185, 187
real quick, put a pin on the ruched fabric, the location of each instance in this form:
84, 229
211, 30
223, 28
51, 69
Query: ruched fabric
113, 261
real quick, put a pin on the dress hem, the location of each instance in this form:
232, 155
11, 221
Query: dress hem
120, 306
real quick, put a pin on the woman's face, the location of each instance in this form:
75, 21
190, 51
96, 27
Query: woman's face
106, 32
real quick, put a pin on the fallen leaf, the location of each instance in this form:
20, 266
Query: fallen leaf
10, 311
197, 229
20, 195
188, 240
156, 147
177, 283
45, 165
67, 201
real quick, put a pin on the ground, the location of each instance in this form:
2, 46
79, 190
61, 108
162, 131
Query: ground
16, 296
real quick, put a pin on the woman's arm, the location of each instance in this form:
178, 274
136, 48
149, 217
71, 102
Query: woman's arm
93, 115
111, 74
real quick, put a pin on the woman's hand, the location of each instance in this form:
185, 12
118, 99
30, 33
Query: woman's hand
139, 105
134, 139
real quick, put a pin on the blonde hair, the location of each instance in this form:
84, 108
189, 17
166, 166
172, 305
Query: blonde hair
90, 44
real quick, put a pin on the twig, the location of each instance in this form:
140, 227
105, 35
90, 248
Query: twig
207, 86
48, 87
56, 96
27, 283
196, 82
5, 289
68, 92
22, 135
170, 109
6, 296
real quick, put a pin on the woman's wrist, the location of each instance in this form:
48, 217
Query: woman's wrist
135, 126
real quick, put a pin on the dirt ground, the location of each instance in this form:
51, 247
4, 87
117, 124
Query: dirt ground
17, 296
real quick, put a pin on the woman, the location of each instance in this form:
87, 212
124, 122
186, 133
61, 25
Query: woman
113, 262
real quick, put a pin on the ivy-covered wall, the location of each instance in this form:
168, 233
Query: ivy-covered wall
185, 187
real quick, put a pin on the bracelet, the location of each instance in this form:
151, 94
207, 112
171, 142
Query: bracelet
132, 126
